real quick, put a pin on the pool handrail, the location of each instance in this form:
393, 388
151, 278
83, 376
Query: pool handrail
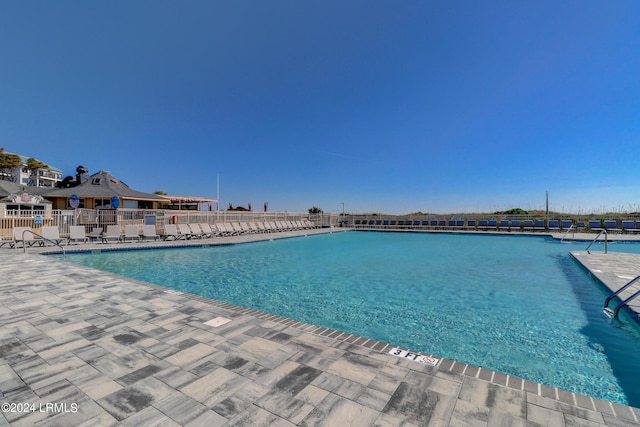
606, 241
614, 313
572, 227
24, 247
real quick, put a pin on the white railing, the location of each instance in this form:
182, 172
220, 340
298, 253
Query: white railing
100, 218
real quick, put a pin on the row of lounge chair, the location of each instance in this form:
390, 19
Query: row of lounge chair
612, 226
135, 233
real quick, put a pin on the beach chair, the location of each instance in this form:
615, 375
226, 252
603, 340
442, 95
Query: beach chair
185, 231
516, 225
595, 225
611, 225
471, 224
554, 225
630, 226
224, 229
504, 225
527, 225
483, 224
285, 227
25, 236
206, 230
6, 240
196, 231
114, 232
171, 232
492, 224
231, 230
52, 234
538, 225
275, 226
149, 233
131, 233
257, 226
237, 229
566, 224
96, 234
77, 232
245, 228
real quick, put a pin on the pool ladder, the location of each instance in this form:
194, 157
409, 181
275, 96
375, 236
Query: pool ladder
614, 313
24, 246
606, 241
571, 228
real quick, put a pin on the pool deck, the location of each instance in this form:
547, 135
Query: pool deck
84, 347
614, 270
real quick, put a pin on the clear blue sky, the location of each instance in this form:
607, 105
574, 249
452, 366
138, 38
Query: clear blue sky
434, 106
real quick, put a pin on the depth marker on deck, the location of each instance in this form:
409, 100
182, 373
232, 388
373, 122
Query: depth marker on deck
429, 360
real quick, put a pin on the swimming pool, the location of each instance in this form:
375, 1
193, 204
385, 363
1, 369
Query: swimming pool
518, 305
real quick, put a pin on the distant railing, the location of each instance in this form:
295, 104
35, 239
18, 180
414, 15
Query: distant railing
100, 218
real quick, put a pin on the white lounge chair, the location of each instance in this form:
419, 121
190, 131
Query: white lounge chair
131, 232
96, 234
114, 232
196, 231
171, 232
235, 226
271, 226
51, 233
25, 236
77, 232
6, 240
149, 232
185, 231
206, 229
224, 229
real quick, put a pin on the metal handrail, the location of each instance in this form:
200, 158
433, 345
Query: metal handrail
613, 295
614, 313
606, 241
24, 247
623, 303
572, 227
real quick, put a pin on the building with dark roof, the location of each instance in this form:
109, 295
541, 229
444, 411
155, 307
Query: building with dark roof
102, 191
8, 188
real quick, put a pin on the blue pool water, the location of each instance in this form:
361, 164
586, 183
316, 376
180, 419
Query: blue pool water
518, 305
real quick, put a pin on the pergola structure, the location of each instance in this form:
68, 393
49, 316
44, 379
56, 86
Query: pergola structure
188, 202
